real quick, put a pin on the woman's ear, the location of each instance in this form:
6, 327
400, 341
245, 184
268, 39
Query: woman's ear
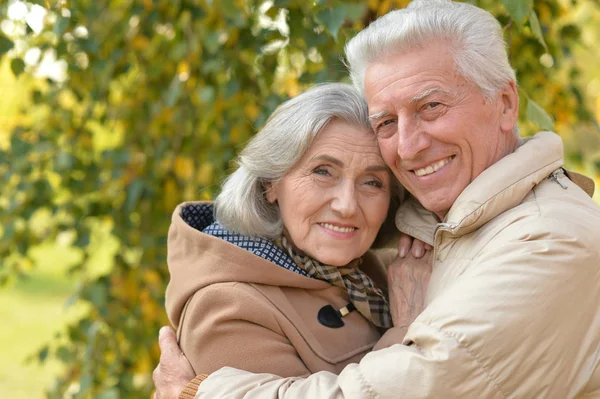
270, 192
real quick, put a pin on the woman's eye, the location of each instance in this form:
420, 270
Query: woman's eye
375, 183
321, 172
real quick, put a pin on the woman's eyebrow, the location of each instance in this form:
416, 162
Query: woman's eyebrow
370, 168
377, 168
325, 157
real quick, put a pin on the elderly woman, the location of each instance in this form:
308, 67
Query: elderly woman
280, 280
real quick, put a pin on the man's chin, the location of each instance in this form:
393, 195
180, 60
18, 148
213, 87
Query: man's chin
439, 205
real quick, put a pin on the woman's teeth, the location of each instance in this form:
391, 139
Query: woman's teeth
337, 228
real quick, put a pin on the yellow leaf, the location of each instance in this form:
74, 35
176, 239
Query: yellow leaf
140, 42
401, 3
251, 110
384, 7
53, 178
205, 174
598, 108
151, 278
234, 135
171, 195
184, 167
183, 68
291, 86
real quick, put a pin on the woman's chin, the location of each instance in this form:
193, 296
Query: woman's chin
335, 261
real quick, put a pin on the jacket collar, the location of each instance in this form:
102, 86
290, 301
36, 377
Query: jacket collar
505, 184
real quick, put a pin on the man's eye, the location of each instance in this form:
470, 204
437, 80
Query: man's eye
432, 105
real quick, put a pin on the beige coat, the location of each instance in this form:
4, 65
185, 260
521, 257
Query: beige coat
513, 307
233, 308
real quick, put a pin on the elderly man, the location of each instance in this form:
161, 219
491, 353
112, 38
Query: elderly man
512, 304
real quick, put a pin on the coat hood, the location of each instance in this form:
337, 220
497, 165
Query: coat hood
196, 260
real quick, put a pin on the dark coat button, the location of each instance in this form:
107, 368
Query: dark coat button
329, 317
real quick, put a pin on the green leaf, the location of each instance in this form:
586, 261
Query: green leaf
60, 25
174, 92
518, 9
5, 45
17, 66
536, 114
355, 11
536, 28
333, 19
43, 353
111, 393
281, 3
134, 192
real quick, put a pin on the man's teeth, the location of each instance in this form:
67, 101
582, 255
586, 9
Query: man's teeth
337, 228
433, 167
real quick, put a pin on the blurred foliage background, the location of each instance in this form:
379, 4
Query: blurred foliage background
114, 111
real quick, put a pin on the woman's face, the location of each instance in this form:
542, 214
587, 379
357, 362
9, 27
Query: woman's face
335, 199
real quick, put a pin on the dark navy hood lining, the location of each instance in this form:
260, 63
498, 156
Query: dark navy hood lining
201, 218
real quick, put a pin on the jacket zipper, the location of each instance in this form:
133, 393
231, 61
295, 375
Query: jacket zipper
557, 174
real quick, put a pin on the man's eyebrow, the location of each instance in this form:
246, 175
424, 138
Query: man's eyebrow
378, 115
427, 92
416, 98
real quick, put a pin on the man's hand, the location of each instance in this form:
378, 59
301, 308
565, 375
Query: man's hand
174, 370
408, 279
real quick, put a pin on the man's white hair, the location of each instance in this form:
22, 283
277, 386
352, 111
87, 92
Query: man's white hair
473, 34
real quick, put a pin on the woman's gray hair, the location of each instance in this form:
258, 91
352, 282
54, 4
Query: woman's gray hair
474, 34
242, 205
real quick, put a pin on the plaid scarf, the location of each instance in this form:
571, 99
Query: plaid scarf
368, 299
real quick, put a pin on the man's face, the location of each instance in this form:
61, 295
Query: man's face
435, 130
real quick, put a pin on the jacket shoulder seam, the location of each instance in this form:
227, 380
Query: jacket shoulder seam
473, 355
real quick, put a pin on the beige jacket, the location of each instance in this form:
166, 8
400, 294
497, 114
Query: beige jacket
233, 308
513, 307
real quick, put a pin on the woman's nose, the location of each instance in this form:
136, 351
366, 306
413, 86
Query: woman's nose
345, 202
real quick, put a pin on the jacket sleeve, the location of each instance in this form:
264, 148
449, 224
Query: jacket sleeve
520, 320
232, 324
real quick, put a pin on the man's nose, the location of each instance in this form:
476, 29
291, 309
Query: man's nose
412, 139
345, 202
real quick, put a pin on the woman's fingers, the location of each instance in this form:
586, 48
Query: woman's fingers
404, 244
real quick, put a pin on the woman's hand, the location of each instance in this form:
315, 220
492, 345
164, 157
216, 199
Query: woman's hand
174, 370
408, 280
407, 244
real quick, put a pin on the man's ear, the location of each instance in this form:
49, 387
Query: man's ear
509, 98
270, 192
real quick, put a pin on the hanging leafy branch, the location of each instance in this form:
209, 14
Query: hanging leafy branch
155, 99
